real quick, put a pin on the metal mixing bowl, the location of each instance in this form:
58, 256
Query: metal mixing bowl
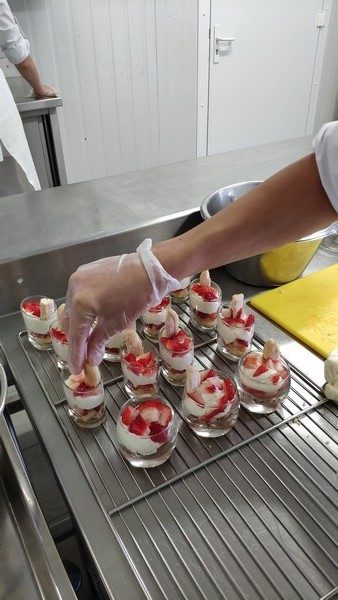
272, 268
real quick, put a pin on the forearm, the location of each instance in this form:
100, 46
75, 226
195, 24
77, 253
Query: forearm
29, 72
284, 208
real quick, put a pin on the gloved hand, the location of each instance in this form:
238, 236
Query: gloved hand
115, 290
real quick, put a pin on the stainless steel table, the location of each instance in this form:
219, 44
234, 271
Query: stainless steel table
251, 515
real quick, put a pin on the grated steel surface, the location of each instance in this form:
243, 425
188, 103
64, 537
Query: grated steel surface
250, 515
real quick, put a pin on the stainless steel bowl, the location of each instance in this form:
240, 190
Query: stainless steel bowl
272, 268
3, 388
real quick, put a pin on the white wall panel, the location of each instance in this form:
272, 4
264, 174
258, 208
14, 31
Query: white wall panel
127, 72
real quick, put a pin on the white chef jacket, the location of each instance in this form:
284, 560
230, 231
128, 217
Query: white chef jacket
12, 41
12, 135
325, 147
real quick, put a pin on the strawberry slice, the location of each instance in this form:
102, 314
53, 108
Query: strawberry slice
241, 344
59, 335
211, 389
158, 433
33, 308
196, 397
206, 374
260, 370
165, 415
151, 404
163, 304
229, 389
139, 426
149, 414
83, 388
223, 401
128, 415
250, 321
275, 378
207, 292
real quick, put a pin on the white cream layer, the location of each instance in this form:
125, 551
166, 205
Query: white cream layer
135, 443
231, 333
197, 303
84, 402
37, 325
262, 382
177, 362
137, 380
61, 350
155, 318
192, 408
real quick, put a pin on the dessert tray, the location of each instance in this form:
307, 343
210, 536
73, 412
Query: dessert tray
116, 484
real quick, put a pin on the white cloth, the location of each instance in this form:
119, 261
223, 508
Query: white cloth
325, 147
12, 41
12, 134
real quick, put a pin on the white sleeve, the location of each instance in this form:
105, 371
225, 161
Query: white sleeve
325, 147
12, 41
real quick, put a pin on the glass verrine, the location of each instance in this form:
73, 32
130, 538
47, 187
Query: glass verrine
147, 431
38, 327
154, 318
204, 304
181, 295
115, 343
86, 405
177, 353
59, 342
234, 336
211, 408
140, 373
262, 385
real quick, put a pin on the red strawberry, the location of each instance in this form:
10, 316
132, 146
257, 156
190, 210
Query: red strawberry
139, 426
158, 433
221, 406
165, 415
229, 389
33, 308
241, 344
82, 388
275, 378
163, 304
251, 362
203, 315
250, 321
59, 335
284, 374
196, 397
127, 415
208, 373
150, 404
211, 388
207, 292
260, 370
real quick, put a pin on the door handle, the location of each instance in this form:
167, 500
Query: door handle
219, 40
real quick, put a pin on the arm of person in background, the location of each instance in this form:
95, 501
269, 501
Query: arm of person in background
16, 48
285, 207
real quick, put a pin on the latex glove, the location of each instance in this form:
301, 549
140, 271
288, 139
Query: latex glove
115, 290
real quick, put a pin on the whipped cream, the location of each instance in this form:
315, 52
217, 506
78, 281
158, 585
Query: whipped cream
231, 333
331, 376
135, 443
155, 318
37, 325
60, 349
85, 402
197, 303
137, 380
180, 362
262, 382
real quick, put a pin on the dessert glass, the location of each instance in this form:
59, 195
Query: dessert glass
176, 356
86, 405
115, 343
233, 341
37, 329
264, 393
181, 295
203, 312
60, 343
141, 375
154, 318
146, 431
214, 419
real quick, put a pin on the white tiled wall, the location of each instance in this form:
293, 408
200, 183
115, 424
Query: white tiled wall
127, 72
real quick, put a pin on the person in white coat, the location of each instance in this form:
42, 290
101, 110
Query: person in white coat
12, 136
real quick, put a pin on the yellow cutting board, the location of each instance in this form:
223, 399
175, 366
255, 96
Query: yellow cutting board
307, 308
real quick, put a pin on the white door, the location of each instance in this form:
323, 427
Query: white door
263, 75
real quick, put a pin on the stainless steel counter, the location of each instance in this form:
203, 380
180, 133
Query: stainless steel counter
248, 516
74, 213
20, 90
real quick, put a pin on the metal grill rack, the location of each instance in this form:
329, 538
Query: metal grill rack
116, 483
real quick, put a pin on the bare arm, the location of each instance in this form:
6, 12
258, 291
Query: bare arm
290, 204
27, 68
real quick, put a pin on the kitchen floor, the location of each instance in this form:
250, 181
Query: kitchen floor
51, 501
